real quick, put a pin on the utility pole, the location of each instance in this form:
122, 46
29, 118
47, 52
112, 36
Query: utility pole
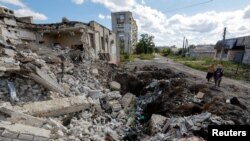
223, 43
187, 49
182, 53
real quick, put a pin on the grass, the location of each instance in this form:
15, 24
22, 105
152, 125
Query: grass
144, 56
129, 58
230, 67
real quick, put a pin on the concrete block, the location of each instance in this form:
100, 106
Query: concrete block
26, 137
18, 140
57, 107
9, 52
156, 122
9, 134
18, 117
200, 95
115, 85
5, 139
8, 64
37, 138
15, 129
46, 81
128, 101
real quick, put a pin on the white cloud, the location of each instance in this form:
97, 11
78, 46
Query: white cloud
108, 17
116, 5
143, 2
78, 2
28, 12
14, 2
24, 10
101, 16
200, 28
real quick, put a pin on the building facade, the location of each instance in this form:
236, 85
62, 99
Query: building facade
235, 49
125, 27
98, 40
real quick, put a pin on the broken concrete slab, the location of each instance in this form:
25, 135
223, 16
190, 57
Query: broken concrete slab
115, 105
45, 80
95, 71
8, 64
115, 85
128, 101
18, 117
9, 52
22, 132
156, 122
200, 95
57, 107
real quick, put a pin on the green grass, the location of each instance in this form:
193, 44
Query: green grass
126, 58
129, 58
229, 66
144, 56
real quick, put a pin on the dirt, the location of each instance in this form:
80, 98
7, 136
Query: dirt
177, 97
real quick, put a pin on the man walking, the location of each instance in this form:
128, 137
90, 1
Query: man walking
219, 72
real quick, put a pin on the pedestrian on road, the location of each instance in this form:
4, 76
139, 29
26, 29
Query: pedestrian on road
210, 72
219, 72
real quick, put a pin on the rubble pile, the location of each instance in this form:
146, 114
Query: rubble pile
62, 94
170, 106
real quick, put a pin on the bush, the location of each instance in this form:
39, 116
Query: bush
167, 52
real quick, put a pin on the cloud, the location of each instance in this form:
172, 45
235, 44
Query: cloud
24, 10
100, 16
28, 12
78, 2
103, 17
201, 28
116, 5
14, 2
143, 2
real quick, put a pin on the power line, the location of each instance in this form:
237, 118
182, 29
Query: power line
188, 6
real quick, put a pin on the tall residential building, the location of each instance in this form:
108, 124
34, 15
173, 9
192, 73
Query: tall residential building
125, 27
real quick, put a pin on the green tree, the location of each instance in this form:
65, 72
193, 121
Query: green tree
167, 51
145, 45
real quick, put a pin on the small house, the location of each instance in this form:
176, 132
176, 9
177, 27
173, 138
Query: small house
235, 49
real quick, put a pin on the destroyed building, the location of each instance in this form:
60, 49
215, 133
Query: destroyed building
92, 36
235, 49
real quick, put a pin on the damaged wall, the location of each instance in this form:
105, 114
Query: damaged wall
92, 35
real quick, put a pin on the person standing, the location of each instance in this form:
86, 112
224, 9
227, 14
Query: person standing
210, 72
219, 72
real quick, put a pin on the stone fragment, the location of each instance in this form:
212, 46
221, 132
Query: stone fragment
115, 85
155, 123
57, 107
128, 101
200, 95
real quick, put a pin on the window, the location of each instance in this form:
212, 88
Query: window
120, 18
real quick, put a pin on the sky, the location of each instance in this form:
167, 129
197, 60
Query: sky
200, 21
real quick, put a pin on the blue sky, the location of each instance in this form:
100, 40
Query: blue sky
167, 20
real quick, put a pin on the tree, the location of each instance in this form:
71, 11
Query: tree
145, 44
167, 51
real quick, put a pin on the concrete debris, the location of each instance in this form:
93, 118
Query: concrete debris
58, 107
9, 52
19, 117
46, 81
11, 131
200, 95
115, 85
128, 101
155, 123
9, 64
